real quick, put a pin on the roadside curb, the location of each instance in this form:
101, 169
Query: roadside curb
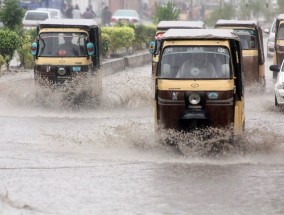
120, 64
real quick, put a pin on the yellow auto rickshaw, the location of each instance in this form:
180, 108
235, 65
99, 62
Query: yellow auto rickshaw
250, 34
66, 50
198, 80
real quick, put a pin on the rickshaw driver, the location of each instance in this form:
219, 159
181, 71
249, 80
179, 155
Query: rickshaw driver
68, 48
197, 67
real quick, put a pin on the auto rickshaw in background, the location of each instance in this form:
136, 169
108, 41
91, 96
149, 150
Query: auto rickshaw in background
198, 80
278, 44
250, 34
163, 26
68, 50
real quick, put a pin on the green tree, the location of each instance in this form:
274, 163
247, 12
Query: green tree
11, 14
166, 12
9, 43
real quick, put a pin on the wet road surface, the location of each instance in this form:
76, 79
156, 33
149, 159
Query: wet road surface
100, 157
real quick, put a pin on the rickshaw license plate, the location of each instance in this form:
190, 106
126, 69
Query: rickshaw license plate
76, 69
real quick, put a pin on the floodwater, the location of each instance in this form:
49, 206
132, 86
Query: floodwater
61, 156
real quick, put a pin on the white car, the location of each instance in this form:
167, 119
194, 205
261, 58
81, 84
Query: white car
271, 39
33, 17
125, 17
279, 85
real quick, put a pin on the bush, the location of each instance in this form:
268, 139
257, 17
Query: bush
9, 43
143, 35
105, 43
24, 50
119, 36
2, 61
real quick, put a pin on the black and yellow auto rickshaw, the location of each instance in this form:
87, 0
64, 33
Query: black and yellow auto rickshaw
66, 50
250, 34
198, 80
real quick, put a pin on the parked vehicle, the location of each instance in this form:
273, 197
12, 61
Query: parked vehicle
279, 85
251, 37
270, 40
33, 17
55, 13
125, 17
67, 50
198, 80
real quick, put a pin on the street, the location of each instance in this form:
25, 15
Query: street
101, 157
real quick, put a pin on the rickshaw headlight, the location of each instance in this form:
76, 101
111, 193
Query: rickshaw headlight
194, 99
61, 71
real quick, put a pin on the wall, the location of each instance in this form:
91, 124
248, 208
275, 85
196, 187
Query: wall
116, 65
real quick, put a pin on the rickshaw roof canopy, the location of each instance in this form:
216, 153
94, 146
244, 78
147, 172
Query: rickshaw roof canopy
73, 23
165, 25
233, 22
200, 34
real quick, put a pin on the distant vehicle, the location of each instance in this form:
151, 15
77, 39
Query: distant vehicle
279, 85
163, 26
125, 17
250, 34
278, 42
270, 40
55, 13
33, 17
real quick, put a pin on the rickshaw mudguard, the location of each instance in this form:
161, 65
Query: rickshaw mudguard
239, 117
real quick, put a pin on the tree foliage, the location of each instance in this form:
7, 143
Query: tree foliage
11, 14
166, 12
119, 37
9, 43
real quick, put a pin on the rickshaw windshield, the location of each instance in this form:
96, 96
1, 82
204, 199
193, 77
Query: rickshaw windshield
62, 44
195, 62
248, 38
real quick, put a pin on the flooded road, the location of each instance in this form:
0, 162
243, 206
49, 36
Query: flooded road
61, 156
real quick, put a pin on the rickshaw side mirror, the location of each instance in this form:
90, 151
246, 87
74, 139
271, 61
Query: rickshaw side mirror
34, 48
152, 47
90, 49
274, 68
